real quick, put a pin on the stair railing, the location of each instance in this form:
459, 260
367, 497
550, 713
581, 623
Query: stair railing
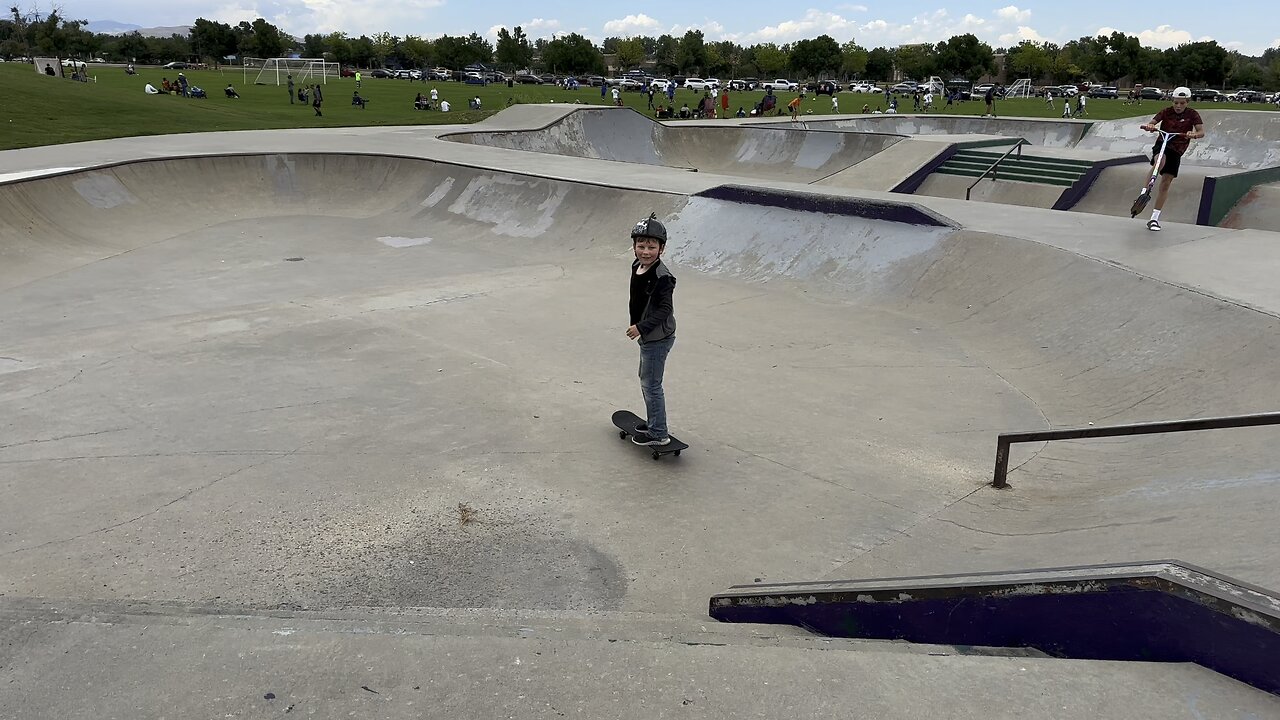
1004, 440
992, 171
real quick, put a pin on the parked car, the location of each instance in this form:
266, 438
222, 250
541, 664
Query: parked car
1069, 90
176, 66
905, 88
381, 73
780, 85
1203, 94
743, 84
823, 87
1152, 93
694, 83
1249, 96
527, 79
659, 84
1110, 91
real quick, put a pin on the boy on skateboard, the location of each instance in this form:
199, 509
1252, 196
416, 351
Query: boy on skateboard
653, 324
1176, 118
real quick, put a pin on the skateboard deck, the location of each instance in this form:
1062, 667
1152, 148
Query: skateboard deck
627, 421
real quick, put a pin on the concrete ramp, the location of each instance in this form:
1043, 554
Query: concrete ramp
1259, 209
1049, 133
624, 135
1242, 139
1116, 187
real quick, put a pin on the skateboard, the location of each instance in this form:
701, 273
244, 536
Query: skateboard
627, 423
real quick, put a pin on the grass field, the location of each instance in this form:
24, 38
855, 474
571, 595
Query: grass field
40, 110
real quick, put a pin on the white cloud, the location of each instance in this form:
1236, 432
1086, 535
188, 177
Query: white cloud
852, 8
534, 28
1022, 33
813, 24
1164, 36
1013, 15
354, 17
631, 25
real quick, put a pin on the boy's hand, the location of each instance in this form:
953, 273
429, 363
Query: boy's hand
632, 332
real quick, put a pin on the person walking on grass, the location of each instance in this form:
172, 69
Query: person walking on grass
290, 78
653, 324
1177, 118
316, 99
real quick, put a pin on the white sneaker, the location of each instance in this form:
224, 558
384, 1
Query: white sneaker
1153, 225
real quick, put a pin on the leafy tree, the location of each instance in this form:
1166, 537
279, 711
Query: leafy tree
1120, 56
384, 45
880, 64
414, 52
1030, 60
478, 49
610, 45
630, 52
573, 53
1201, 63
816, 57
361, 49
965, 56
664, 54
513, 49
691, 52
337, 45
1246, 73
313, 45
853, 60
915, 61
214, 40
727, 58
771, 60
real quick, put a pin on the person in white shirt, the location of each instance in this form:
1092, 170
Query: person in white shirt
151, 89
435, 96
444, 106
616, 99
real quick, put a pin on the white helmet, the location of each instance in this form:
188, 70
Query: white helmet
1181, 93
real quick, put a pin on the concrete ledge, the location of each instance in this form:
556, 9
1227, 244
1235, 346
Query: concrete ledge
1163, 611
907, 213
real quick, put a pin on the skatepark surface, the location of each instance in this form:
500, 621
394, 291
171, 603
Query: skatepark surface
328, 432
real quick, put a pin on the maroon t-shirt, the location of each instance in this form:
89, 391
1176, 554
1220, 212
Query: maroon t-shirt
1170, 120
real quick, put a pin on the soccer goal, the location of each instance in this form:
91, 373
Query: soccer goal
276, 71
1020, 89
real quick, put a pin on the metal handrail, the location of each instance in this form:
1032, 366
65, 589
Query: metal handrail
992, 170
1214, 423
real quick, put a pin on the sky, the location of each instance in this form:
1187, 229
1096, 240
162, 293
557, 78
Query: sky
1237, 24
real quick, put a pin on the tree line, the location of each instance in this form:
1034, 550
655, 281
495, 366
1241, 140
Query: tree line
1106, 59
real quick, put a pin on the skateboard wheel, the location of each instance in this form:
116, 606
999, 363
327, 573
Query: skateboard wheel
622, 434
677, 453
656, 455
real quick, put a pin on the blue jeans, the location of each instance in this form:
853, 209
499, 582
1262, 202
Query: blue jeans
653, 361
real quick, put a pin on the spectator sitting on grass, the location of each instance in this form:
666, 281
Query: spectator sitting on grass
231, 92
150, 89
302, 94
165, 87
741, 113
866, 108
444, 106
357, 100
684, 111
48, 70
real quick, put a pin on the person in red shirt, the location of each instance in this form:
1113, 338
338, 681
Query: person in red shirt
1177, 118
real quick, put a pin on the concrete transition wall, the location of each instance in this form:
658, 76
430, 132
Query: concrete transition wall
625, 135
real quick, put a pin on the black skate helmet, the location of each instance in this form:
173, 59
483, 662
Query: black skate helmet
650, 227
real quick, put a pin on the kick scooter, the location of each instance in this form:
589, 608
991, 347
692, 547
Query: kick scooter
1145, 196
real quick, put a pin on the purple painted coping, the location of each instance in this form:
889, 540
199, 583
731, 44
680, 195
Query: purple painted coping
1151, 616
1076, 192
1204, 215
906, 213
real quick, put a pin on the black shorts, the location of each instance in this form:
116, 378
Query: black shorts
1172, 160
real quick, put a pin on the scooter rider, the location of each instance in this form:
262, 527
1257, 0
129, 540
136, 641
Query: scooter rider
1177, 118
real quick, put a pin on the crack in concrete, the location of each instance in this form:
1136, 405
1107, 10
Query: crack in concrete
149, 513
59, 385
1040, 532
62, 437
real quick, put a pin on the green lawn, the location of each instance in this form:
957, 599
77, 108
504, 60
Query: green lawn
39, 110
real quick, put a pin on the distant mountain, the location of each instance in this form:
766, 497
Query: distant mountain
112, 27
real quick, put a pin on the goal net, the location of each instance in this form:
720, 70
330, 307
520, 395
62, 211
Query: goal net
276, 71
1020, 89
